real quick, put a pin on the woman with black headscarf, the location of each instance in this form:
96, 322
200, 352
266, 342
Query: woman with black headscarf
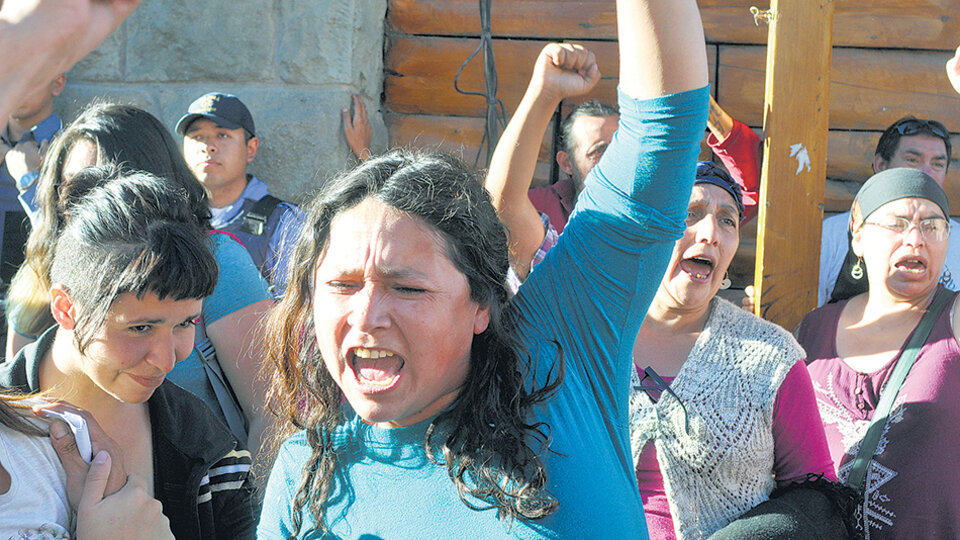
886, 363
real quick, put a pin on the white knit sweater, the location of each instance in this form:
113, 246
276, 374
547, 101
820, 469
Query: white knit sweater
728, 384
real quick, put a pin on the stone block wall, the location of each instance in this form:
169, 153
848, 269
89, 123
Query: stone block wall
293, 62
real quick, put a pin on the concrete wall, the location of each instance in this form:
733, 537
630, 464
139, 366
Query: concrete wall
293, 62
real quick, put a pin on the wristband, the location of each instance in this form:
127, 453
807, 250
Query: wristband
27, 180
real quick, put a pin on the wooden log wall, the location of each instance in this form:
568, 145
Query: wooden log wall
888, 60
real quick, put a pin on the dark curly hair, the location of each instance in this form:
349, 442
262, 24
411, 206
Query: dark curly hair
484, 437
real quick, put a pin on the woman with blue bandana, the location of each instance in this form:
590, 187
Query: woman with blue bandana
722, 408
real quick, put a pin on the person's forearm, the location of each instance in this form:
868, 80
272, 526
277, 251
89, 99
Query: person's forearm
33, 50
719, 122
662, 48
42, 38
511, 172
20, 64
739, 152
515, 157
239, 344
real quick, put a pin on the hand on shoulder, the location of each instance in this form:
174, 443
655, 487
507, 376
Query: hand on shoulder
130, 513
65, 444
24, 158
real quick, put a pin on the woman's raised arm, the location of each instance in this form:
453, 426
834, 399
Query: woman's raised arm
661, 47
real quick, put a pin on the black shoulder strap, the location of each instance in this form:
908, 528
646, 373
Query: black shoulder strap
868, 446
255, 222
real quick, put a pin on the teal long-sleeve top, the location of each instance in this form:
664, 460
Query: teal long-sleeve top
584, 304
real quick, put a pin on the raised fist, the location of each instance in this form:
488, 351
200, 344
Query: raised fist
565, 70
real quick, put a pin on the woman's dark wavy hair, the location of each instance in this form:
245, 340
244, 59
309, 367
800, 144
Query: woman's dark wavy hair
132, 233
125, 136
484, 436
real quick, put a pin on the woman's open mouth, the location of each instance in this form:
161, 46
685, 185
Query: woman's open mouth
698, 268
376, 368
916, 267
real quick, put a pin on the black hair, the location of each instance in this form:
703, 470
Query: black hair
890, 138
131, 233
587, 108
485, 438
124, 135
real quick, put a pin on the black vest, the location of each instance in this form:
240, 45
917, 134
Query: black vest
254, 227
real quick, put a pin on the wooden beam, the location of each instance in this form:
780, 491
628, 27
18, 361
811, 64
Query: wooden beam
796, 122
550, 19
870, 88
418, 66
908, 24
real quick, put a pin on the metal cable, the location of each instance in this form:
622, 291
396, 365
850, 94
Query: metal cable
495, 116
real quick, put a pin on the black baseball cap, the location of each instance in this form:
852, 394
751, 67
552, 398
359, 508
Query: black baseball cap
225, 109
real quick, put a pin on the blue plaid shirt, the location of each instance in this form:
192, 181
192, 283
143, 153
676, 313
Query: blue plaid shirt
550, 237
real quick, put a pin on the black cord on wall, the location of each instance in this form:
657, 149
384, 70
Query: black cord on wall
495, 119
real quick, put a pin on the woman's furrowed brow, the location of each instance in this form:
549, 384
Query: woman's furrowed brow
399, 272
386, 271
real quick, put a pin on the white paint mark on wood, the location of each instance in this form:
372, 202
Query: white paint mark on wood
803, 157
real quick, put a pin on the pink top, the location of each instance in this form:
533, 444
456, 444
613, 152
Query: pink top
913, 484
740, 154
799, 448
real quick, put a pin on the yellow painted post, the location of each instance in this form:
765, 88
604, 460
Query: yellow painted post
796, 121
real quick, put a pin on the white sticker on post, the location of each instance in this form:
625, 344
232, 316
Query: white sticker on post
803, 158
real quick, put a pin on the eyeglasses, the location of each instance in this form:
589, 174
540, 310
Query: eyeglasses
933, 229
913, 126
658, 385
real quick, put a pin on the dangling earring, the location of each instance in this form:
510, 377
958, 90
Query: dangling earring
857, 271
725, 284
